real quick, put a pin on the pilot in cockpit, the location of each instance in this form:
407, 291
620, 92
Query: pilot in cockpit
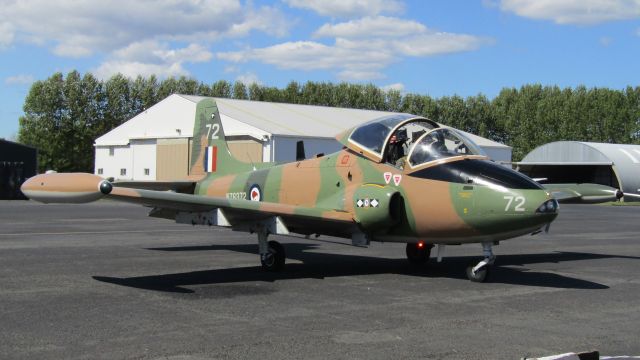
397, 154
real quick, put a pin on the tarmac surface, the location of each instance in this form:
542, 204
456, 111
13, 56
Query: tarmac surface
104, 281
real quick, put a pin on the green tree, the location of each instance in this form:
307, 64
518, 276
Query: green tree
240, 91
221, 89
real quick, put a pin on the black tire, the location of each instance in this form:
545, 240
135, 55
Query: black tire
418, 255
273, 260
481, 275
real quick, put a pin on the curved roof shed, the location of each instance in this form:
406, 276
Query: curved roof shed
616, 165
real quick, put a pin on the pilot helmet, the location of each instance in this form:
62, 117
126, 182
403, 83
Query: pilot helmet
399, 136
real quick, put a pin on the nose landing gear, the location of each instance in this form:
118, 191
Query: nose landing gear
480, 271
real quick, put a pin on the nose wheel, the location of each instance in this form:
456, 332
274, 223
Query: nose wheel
480, 272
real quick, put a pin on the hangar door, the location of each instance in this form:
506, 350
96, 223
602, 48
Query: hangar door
245, 148
172, 159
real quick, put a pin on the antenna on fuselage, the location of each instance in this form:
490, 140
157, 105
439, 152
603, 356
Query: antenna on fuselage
300, 151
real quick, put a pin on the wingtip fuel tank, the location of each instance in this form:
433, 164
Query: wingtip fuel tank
66, 188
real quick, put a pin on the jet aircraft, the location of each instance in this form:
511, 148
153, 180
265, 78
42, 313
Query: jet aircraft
399, 178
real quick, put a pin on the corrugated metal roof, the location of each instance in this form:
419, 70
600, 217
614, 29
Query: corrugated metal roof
293, 119
625, 158
274, 118
305, 120
170, 118
584, 152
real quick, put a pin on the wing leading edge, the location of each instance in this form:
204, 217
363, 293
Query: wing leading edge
190, 208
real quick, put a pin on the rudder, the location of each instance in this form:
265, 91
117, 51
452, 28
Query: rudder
210, 153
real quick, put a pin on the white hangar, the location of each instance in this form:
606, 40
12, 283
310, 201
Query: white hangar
154, 145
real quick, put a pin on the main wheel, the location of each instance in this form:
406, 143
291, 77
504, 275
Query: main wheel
418, 253
273, 260
480, 275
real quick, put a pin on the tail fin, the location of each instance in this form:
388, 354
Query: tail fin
210, 153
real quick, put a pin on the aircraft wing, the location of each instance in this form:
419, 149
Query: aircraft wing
240, 214
169, 200
183, 186
585, 193
564, 195
237, 214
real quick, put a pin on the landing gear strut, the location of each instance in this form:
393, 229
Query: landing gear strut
272, 253
418, 253
480, 271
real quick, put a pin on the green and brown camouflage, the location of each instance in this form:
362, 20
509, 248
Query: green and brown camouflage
357, 193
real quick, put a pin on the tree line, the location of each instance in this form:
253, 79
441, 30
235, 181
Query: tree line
63, 115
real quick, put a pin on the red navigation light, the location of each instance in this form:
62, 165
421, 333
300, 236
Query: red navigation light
420, 244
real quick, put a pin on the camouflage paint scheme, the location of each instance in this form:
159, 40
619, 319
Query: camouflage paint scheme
320, 196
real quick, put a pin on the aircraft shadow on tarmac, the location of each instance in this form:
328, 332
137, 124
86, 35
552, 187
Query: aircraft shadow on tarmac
322, 265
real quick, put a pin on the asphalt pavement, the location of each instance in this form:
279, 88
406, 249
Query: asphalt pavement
104, 281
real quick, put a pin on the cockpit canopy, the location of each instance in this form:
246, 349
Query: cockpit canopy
374, 135
440, 144
406, 140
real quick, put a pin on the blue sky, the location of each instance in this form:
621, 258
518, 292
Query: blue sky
462, 47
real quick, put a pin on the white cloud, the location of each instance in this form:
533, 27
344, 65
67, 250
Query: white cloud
6, 35
19, 80
348, 8
134, 68
230, 69
371, 27
249, 78
81, 28
396, 87
582, 12
152, 58
309, 55
360, 75
362, 48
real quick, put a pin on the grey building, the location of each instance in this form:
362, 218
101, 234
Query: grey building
615, 165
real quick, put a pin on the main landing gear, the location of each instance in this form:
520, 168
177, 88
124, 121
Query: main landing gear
272, 255
480, 271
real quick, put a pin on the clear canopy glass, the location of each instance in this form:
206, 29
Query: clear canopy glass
374, 135
439, 144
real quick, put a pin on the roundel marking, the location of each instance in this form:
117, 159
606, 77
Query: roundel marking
254, 193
